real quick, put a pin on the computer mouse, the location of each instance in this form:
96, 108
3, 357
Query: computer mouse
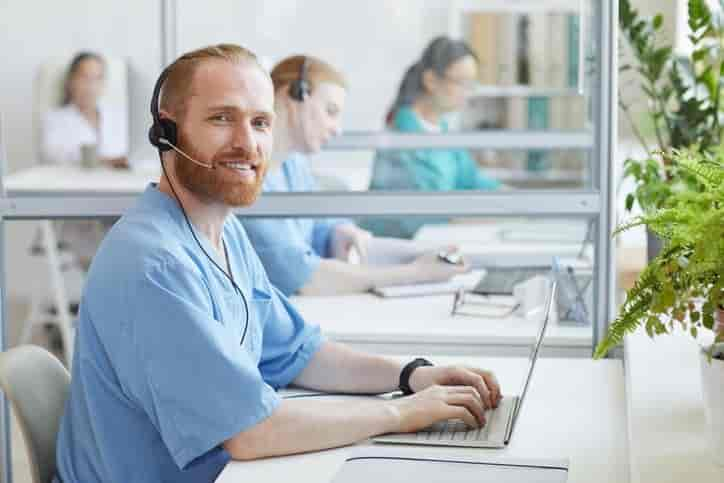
453, 258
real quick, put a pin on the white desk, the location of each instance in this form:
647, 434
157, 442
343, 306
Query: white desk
667, 426
506, 242
574, 409
65, 180
423, 325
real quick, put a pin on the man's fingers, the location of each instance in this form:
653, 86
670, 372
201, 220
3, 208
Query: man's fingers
471, 403
473, 379
492, 382
466, 390
461, 412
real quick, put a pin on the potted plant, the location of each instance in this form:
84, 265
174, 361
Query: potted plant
683, 101
683, 286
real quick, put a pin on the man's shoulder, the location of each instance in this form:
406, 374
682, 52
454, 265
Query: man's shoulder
139, 241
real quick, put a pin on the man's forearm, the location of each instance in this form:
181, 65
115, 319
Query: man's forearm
302, 425
336, 367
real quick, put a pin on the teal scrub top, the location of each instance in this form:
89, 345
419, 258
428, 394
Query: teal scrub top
160, 375
422, 170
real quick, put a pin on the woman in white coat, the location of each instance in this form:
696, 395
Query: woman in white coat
82, 120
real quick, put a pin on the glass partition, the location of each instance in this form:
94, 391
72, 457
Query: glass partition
536, 117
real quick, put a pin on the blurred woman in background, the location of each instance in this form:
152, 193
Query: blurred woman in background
434, 87
84, 131
82, 126
311, 256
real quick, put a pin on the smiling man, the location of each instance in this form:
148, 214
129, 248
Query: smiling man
182, 340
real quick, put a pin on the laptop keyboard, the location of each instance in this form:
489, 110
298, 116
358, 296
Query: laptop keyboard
457, 430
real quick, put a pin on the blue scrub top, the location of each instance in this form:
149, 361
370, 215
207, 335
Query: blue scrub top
421, 170
290, 248
160, 379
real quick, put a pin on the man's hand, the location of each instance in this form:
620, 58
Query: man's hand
438, 403
348, 236
481, 381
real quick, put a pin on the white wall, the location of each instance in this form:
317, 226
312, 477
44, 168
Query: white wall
34, 31
371, 42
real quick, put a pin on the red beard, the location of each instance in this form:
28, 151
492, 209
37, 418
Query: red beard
216, 184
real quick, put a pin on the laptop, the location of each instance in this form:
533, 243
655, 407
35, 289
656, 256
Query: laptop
502, 280
500, 422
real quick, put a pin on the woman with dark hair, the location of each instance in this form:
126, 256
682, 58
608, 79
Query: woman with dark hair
434, 86
83, 121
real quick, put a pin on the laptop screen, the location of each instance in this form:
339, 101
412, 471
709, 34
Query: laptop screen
536, 348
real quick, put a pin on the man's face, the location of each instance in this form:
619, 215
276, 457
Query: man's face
227, 122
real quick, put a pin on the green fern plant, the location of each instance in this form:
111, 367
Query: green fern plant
684, 284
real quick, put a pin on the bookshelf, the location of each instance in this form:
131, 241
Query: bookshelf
531, 73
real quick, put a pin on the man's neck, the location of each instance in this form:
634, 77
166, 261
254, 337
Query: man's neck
207, 217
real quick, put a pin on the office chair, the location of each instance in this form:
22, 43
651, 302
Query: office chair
37, 385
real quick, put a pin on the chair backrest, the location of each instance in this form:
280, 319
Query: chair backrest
48, 88
37, 385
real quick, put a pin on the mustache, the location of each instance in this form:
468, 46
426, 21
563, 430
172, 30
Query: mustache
243, 155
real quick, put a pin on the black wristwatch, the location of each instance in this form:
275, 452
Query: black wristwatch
407, 372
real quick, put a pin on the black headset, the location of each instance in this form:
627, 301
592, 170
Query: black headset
163, 133
299, 88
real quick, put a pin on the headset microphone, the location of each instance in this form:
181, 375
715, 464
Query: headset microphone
178, 150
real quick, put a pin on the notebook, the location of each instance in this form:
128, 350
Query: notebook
466, 280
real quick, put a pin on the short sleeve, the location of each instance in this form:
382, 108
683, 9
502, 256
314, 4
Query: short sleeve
471, 177
288, 259
322, 235
195, 382
289, 342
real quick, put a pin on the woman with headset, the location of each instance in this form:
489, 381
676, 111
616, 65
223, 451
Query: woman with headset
310, 256
433, 87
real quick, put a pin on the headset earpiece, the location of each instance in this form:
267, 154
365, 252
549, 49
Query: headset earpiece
163, 129
299, 88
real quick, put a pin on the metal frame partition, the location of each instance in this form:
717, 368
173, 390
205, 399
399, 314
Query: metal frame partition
594, 204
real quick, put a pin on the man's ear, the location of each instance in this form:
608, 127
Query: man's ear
164, 114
